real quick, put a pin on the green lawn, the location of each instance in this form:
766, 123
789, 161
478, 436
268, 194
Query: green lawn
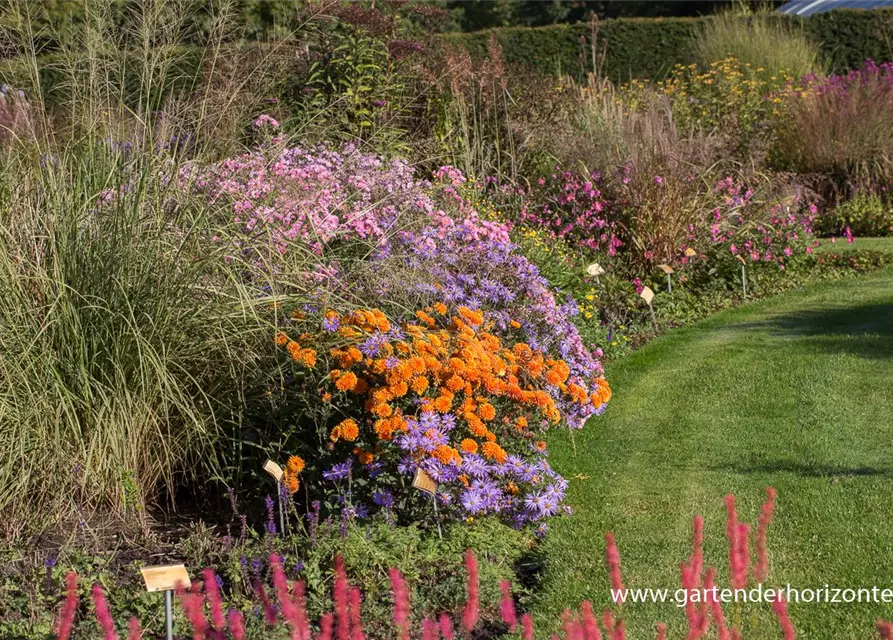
794, 392
867, 244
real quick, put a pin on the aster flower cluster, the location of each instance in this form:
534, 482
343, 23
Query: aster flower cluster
319, 195
443, 394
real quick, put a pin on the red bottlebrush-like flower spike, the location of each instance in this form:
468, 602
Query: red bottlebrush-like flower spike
620, 631
269, 611
608, 622
507, 605
193, 605
697, 555
732, 535
401, 603
218, 620
743, 564
719, 618
590, 623
661, 631
612, 556
340, 596
446, 627
237, 624
356, 615
780, 606
69, 607
325, 626
303, 625
761, 569
133, 630
429, 630
280, 583
526, 627
103, 615
470, 614
884, 629
572, 629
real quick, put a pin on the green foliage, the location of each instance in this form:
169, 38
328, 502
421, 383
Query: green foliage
649, 47
866, 214
433, 567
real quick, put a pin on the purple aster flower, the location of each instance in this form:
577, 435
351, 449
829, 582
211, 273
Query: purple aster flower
339, 471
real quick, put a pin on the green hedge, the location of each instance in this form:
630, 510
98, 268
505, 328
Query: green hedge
650, 47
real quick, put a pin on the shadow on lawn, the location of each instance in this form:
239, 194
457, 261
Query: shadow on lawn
865, 331
806, 470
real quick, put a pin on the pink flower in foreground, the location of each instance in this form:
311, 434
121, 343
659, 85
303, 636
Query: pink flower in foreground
266, 121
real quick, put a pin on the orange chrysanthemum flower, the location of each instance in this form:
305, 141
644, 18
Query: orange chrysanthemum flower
493, 451
440, 308
281, 338
295, 464
348, 430
292, 483
487, 412
419, 385
346, 382
469, 446
443, 404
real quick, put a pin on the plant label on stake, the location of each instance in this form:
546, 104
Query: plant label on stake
423, 482
595, 269
166, 578
743, 278
648, 295
276, 471
690, 253
668, 270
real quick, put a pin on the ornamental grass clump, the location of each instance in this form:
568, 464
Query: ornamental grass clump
840, 126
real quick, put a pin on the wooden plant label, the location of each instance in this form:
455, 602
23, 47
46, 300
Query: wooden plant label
595, 269
740, 259
423, 482
274, 470
647, 295
665, 268
165, 577
691, 253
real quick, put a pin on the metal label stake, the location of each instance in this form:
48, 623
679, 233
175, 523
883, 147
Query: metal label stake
743, 277
166, 578
423, 482
277, 473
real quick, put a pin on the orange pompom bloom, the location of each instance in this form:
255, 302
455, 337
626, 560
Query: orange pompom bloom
487, 412
346, 382
443, 404
447, 454
493, 451
541, 445
292, 484
469, 446
400, 389
455, 383
348, 430
365, 457
308, 357
419, 385
295, 465
440, 308
281, 338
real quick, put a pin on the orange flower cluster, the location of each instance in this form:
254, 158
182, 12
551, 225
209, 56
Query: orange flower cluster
293, 469
452, 364
299, 354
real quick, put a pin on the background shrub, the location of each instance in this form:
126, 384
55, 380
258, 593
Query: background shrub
648, 48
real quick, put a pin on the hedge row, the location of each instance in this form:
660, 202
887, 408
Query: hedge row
650, 47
